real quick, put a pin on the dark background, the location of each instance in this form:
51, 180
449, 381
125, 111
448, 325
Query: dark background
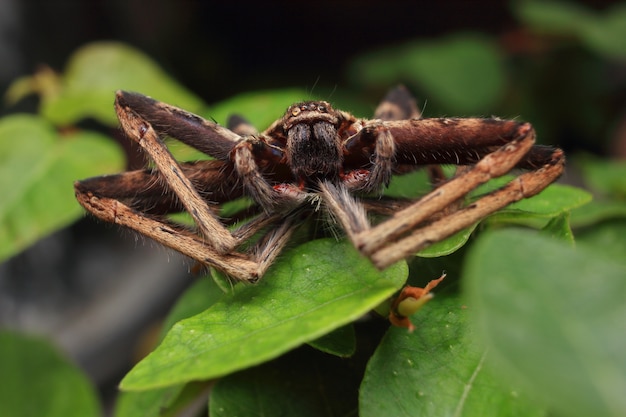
219, 48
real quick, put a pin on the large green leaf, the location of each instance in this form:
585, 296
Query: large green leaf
37, 171
37, 381
439, 369
310, 291
93, 74
553, 317
609, 235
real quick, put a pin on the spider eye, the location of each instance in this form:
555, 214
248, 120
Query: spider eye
295, 111
322, 108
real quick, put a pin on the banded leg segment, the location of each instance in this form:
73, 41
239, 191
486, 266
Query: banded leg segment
139, 130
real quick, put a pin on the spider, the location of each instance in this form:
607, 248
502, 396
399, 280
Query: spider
314, 158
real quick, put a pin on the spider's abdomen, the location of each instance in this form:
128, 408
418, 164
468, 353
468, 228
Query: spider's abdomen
314, 151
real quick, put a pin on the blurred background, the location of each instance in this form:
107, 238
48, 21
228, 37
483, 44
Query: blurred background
97, 291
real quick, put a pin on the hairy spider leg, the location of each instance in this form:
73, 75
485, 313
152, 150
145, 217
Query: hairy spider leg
384, 243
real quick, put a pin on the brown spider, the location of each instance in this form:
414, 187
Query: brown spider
313, 156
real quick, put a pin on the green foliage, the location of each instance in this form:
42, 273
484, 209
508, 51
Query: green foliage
37, 381
554, 324
529, 326
465, 71
37, 170
306, 295
439, 369
603, 33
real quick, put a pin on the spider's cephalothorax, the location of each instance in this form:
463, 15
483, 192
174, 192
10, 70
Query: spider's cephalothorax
313, 147
313, 153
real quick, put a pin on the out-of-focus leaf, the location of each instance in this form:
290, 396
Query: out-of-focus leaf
93, 74
439, 369
37, 170
608, 236
553, 16
603, 32
312, 290
464, 72
606, 177
38, 382
552, 316
558, 227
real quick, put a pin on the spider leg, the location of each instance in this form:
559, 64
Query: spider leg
241, 266
257, 186
145, 190
171, 235
385, 243
493, 165
398, 104
382, 160
345, 208
282, 196
524, 186
203, 135
139, 130
272, 243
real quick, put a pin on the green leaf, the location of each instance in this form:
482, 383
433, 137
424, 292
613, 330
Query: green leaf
448, 245
604, 176
37, 171
597, 211
607, 35
93, 74
310, 291
38, 381
410, 185
197, 298
464, 72
558, 227
552, 316
603, 32
439, 369
340, 342
551, 202
157, 402
302, 383
553, 16
608, 235
169, 400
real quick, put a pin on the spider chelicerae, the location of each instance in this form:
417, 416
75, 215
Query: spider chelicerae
313, 158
